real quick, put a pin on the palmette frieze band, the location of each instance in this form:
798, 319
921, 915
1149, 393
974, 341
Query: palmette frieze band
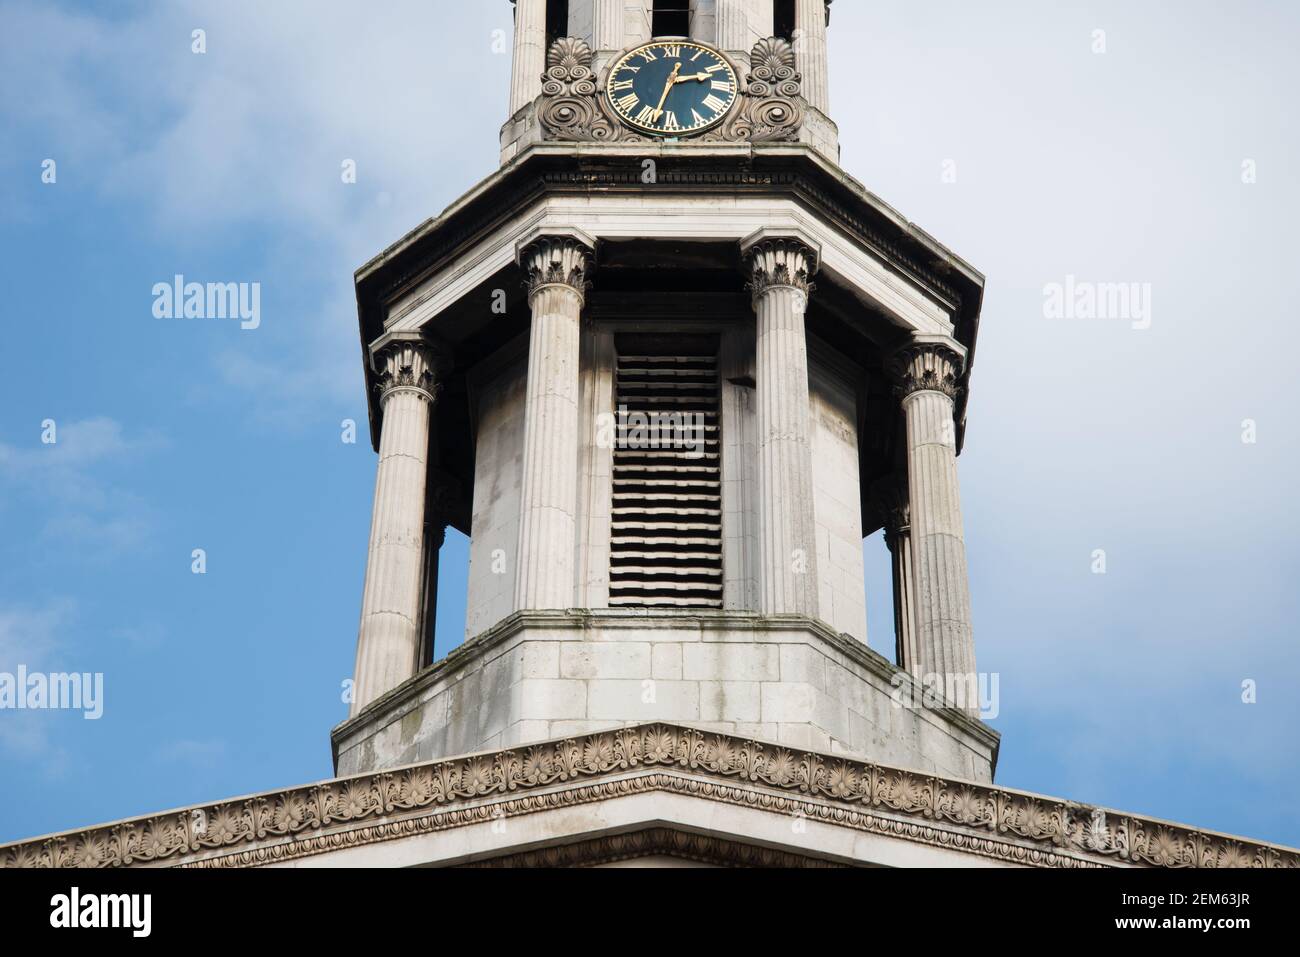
556, 261
780, 262
840, 790
928, 366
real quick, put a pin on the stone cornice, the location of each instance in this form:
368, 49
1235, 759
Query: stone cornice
974, 818
793, 170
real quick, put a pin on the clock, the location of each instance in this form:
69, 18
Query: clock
672, 88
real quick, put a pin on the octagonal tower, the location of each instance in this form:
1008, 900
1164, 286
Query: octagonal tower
666, 379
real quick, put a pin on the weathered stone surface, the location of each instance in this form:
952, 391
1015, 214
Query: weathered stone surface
711, 784
564, 672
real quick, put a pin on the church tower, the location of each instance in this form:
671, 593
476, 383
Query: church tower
667, 367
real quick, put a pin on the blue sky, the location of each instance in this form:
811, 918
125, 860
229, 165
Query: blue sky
1125, 166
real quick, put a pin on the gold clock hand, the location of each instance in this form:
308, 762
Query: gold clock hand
693, 76
672, 80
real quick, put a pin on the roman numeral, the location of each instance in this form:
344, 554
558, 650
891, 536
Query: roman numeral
715, 68
698, 54
699, 120
628, 103
623, 85
672, 51
713, 103
648, 56
670, 121
646, 115
722, 85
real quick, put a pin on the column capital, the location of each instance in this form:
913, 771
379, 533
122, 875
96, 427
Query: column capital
777, 257
409, 361
891, 498
556, 257
929, 364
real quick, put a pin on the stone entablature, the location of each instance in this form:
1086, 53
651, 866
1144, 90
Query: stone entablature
855, 812
867, 248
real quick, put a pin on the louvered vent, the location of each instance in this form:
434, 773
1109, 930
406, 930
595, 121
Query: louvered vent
666, 544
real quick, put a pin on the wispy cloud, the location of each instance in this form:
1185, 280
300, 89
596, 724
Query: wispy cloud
31, 636
211, 146
71, 479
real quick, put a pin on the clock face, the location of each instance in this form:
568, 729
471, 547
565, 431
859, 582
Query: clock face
672, 87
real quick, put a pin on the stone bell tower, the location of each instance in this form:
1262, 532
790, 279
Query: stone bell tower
667, 367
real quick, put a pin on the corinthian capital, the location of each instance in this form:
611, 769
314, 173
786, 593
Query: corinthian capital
776, 260
556, 260
409, 361
929, 365
894, 507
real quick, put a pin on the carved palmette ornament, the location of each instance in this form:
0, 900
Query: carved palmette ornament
837, 789
572, 109
772, 109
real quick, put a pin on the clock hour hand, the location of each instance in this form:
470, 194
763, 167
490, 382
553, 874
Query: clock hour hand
692, 76
672, 81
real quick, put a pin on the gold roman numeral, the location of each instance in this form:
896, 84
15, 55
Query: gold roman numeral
715, 68
627, 103
646, 116
713, 103
623, 85
724, 85
670, 122
648, 56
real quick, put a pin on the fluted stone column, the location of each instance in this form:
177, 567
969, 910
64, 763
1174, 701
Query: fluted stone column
388, 646
742, 23
556, 269
896, 511
704, 20
929, 371
810, 48
609, 24
781, 271
529, 53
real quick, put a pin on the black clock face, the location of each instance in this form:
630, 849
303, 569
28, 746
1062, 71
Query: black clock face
672, 87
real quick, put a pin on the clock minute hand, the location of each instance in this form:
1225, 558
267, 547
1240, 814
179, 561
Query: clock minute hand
672, 81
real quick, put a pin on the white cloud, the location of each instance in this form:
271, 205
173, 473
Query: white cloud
247, 142
30, 636
83, 507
